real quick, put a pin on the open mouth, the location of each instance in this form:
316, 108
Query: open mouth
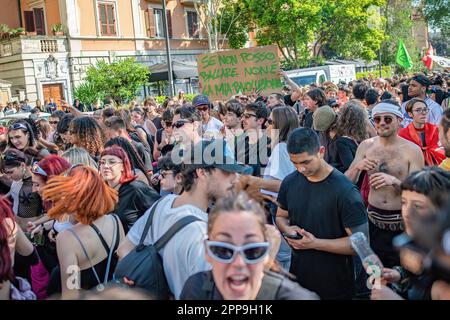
237, 282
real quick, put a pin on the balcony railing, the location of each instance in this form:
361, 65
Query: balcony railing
32, 44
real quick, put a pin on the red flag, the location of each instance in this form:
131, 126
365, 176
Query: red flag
428, 58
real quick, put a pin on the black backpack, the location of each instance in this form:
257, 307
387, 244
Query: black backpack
143, 267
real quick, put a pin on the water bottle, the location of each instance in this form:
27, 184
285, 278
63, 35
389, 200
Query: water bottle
371, 263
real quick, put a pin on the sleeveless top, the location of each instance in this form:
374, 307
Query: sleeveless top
88, 278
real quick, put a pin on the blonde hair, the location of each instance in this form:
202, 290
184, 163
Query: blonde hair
79, 156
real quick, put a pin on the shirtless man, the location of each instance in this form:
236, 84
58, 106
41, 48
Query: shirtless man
388, 159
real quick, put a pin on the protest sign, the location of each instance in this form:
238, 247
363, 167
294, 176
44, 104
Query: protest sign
227, 73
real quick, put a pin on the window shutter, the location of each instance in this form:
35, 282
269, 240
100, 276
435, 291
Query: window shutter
39, 21
29, 21
169, 22
112, 26
151, 29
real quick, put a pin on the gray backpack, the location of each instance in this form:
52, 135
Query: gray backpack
143, 266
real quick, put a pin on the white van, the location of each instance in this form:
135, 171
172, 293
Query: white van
318, 75
305, 78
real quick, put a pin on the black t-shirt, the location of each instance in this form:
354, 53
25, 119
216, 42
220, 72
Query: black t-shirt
157, 122
134, 199
324, 209
341, 152
288, 101
255, 155
308, 119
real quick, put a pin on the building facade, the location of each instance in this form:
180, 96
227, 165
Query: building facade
43, 64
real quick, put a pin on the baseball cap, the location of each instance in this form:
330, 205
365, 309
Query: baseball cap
200, 100
212, 154
323, 118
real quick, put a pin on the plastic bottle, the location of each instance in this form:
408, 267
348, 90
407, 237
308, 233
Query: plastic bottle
368, 257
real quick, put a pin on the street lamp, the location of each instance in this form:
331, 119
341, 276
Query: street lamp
169, 57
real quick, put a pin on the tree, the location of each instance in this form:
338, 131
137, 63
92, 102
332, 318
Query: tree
121, 80
398, 25
437, 14
87, 93
218, 18
303, 29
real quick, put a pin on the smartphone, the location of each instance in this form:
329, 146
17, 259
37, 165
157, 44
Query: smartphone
290, 236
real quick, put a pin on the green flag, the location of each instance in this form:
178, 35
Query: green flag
403, 57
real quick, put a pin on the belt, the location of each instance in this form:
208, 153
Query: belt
390, 222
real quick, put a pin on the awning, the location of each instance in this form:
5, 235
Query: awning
180, 70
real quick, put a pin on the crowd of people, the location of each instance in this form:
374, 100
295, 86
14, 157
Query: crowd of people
251, 198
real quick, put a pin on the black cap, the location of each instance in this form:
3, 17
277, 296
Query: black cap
422, 79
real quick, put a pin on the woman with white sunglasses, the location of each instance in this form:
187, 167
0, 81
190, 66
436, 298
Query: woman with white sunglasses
238, 250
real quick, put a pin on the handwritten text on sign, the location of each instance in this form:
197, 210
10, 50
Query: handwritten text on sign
227, 73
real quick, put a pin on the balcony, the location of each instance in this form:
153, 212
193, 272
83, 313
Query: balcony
32, 44
191, 2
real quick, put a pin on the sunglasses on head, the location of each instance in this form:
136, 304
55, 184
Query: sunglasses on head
17, 126
38, 170
12, 157
387, 119
180, 123
225, 252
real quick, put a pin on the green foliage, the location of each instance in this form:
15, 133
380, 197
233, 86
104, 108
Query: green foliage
87, 93
344, 27
398, 25
437, 13
386, 72
58, 27
188, 97
16, 32
234, 23
121, 80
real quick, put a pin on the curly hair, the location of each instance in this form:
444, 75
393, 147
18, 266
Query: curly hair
81, 192
89, 135
352, 121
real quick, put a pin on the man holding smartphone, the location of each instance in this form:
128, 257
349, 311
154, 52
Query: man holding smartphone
321, 207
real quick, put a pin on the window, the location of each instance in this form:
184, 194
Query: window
107, 19
159, 25
192, 24
155, 23
35, 21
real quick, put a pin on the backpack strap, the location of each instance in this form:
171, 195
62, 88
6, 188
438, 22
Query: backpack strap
148, 224
86, 254
180, 224
270, 286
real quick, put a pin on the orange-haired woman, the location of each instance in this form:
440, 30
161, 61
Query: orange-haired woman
86, 251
